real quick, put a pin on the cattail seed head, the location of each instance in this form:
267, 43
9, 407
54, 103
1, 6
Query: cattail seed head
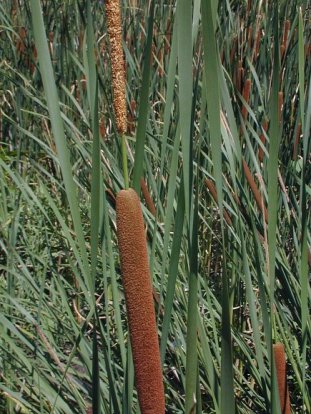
139, 303
280, 366
113, 14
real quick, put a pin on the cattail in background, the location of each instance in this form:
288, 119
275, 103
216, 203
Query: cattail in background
246, 94
147, 197
280, 366
212, 189
285, 38
113, 14
249, 36
139, 303
233, 48
286, 31
239, 76
255, 190
296, 141
282, 51
257, 42
263, 140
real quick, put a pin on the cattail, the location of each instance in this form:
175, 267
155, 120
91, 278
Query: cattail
167, 38
255, 190
233, 48
257, 43
249, 36
139, 303
113, 14
282, 51
147, 197
102, 128
263, 140
285, 34
296, 142
249, 7
246, 94
239, 76
280, 366
213, 191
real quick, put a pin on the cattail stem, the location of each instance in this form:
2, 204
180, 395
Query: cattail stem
139, 303
280, 366
124, 162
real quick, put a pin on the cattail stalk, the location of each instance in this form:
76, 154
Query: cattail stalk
255, 190
139, 303
280, 366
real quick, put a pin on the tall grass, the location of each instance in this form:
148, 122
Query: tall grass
218, 103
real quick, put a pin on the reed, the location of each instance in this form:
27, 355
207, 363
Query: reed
280, 366
139, 302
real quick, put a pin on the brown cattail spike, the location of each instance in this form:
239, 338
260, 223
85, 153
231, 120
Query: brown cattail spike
280, 366
246, 94
263, 140
286, 31
255, 190
257, 44
139, 303
213, 191
147, 197
113, 14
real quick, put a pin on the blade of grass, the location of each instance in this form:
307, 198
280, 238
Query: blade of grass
211, 70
